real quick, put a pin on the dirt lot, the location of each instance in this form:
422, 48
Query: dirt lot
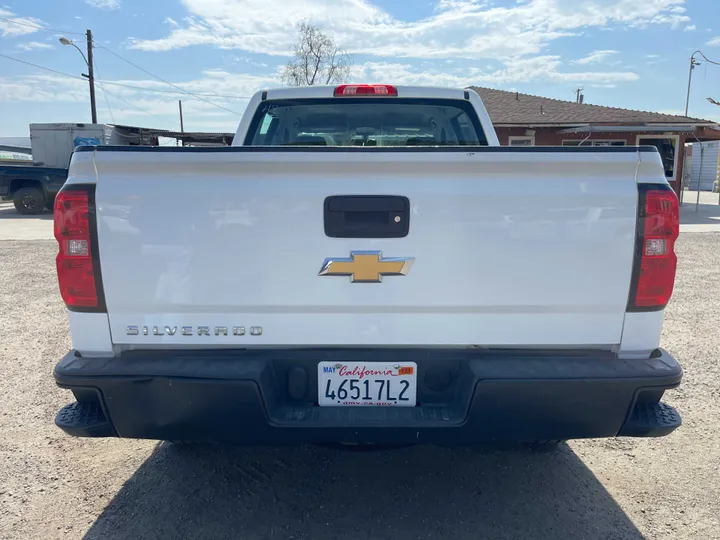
53, 486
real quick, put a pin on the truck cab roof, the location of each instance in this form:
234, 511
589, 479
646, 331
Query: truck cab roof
314, 92
396, 99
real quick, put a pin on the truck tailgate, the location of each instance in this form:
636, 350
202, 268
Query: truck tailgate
508, 249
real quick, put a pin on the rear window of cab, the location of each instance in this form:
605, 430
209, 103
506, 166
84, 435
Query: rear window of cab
371, 122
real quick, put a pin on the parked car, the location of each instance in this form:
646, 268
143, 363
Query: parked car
367, 265
31, 189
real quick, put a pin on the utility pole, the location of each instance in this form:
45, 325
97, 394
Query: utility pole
89, 63
693, 63
91, 76
182, 126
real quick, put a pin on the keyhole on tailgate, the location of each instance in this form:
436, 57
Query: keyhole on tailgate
397, 219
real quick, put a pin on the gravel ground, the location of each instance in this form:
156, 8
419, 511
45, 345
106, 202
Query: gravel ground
54, 486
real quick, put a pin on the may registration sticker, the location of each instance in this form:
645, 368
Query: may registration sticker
357, 384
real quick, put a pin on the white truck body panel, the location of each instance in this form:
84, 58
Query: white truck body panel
512, 249
91, 333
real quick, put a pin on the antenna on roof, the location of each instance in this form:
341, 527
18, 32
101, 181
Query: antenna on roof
579, 97
517, 96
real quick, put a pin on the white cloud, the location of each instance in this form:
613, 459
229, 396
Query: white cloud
714, 42
690, 28
17, 26
519, 70
249, 61
145, 107
652, 59
458, 29
478, 42
548, 68
33, 45
596, 57
516, 36
104, 4
41, 88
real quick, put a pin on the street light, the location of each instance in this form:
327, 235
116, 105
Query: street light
89, 63
693, 64
66, 41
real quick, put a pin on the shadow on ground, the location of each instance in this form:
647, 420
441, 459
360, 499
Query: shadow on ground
317, 493
9, 212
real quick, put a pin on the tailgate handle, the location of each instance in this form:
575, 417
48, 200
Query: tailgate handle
367, 216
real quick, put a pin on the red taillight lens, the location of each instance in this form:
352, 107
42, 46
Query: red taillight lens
74, 261
660, 226
379, 90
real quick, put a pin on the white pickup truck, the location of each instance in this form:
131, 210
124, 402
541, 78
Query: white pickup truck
366, 265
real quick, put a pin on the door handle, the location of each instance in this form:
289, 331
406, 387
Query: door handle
367, 216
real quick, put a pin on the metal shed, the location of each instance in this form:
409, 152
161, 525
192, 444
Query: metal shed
705, 165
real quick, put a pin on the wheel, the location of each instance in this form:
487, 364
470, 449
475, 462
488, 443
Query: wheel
29, 200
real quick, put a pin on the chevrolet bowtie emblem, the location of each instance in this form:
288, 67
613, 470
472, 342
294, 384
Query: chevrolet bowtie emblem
366, 266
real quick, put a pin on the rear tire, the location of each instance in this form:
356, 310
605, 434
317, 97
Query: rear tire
29, 201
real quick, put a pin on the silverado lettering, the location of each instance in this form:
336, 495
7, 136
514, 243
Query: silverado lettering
188, 330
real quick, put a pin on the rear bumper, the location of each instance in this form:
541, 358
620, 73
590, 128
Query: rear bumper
270, 396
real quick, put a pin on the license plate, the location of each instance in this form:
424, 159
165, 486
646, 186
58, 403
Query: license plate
357, 384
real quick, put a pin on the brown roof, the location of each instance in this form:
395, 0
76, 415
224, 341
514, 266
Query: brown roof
514, 108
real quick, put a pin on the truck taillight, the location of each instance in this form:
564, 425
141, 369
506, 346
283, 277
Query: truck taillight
74, 223
655, 261
379, 90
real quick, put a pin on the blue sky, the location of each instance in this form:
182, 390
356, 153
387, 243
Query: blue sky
624, 53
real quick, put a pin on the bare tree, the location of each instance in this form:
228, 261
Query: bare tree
317, 60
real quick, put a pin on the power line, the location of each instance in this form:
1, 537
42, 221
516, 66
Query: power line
157, 90
30, 25
121, 84
136, 107
41, 67
174, 92
169, 83
82, 79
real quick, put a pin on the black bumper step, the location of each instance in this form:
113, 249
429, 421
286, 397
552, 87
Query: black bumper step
88, 419
651, 420
84, 420
251, 397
